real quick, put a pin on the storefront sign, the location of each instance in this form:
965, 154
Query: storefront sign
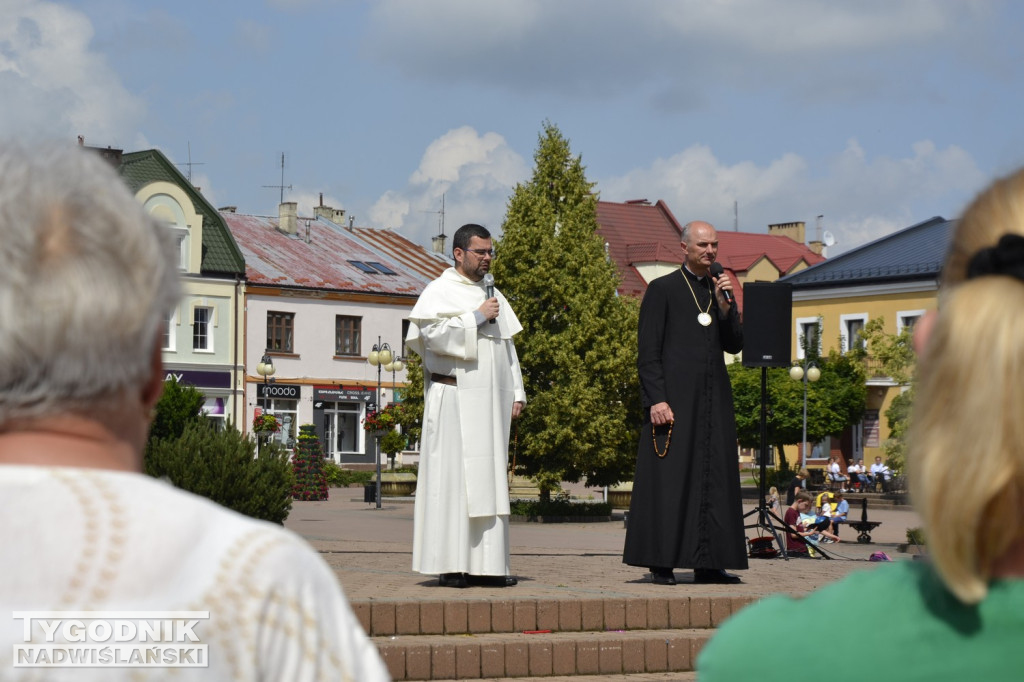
200, 378
279, 391
340, 393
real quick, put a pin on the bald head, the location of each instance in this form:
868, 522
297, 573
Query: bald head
700, 244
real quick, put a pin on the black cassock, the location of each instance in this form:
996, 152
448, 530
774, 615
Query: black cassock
686, 510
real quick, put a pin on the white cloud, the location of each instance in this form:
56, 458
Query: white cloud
53, 84
861, 198
475, 173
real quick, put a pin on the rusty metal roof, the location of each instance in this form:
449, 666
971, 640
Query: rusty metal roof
412, 256
320, 256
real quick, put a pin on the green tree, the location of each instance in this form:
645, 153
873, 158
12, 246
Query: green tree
179, 406
892, 355
578, 347
835, 401
221, 466
410, 417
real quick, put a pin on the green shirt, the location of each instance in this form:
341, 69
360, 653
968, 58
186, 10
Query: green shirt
897, 622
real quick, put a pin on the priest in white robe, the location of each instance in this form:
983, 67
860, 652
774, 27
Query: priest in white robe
473, 388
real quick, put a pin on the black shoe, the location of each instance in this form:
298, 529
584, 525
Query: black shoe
453, 580
717, 576
662, 576
492, 580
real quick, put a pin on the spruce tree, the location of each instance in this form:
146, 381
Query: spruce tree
578, 346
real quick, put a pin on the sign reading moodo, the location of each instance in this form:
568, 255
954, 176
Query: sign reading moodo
283, 391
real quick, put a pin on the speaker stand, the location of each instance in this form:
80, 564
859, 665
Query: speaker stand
765, 515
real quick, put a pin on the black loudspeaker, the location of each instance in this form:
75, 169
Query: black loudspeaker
767, 322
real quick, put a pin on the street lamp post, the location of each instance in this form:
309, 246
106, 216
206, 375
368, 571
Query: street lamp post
804, 372
396, 365
378, 357
265, 369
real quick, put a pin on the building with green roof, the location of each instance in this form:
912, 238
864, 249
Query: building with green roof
203, 343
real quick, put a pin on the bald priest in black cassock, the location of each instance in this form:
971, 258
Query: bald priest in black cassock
686, 510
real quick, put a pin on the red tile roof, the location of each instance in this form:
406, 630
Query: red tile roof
638, 232
739, 251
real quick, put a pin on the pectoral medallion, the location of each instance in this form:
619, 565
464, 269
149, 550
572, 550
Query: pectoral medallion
704, 319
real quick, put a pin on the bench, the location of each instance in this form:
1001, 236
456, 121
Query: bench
864, 528
816, 480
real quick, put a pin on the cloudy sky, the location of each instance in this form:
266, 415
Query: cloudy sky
874, 114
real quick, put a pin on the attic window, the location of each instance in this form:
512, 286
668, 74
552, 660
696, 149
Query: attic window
364, 267
383, 268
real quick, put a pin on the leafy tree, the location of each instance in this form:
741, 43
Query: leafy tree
179, 406
892, 355
835, 401
410, 417
221, 466
578, 347
307, 466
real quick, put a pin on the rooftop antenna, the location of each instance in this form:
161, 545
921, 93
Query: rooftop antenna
282, 186
190, 163
438, 242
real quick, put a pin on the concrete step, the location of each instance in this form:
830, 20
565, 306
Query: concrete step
455, 614
517, 655
474, 638
688, 676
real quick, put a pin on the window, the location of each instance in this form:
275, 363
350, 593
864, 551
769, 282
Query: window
181, 237
280, 330
286, 412
850, 326
202, 328
346, 334
906, 319
364, 267
380, 266
807, 335
170, 322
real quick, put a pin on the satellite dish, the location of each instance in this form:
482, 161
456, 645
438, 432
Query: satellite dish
828, 238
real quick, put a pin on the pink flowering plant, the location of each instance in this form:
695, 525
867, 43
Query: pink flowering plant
382, 420
266, 423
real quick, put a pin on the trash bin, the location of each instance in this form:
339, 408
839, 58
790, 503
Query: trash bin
370, 493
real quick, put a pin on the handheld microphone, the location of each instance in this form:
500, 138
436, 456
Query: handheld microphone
489, 287
716, 272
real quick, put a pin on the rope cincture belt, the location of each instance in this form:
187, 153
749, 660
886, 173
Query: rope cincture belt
443, 379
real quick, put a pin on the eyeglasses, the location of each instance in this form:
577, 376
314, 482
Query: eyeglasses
481, 252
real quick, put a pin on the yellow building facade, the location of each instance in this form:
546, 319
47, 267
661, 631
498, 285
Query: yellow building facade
895, 279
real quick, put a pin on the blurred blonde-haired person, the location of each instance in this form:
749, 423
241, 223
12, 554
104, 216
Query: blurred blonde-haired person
958, 616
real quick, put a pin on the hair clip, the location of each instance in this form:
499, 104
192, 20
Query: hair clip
1005, 258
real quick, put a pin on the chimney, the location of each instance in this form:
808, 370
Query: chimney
288, 213
817, 247
335, 215
794, 231
437, 244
